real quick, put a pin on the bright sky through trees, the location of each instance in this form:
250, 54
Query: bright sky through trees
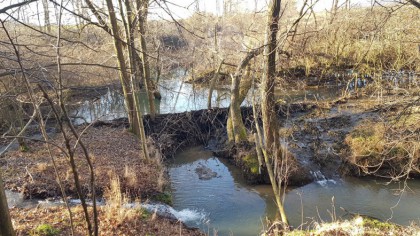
178, 8
184, 8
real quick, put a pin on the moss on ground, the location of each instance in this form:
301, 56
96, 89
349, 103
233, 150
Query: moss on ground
164, 197
44, 230
251, 162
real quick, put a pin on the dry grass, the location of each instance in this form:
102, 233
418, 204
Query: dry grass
115, 201
388, 148
136, 223
355, 227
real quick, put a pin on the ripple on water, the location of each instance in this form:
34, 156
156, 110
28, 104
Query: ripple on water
235, 207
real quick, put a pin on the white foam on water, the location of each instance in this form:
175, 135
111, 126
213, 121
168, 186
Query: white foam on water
188, 215
185, 215
325, 182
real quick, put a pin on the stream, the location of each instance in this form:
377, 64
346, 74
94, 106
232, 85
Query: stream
221, 201
232, 207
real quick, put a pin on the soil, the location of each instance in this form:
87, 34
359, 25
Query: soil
318, 138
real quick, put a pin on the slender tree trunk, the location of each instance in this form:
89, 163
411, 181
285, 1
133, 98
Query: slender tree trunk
128, 25
142, 7
6, 227
213, 84
47, 23
269, 116
414, 3
124, 77
235, 126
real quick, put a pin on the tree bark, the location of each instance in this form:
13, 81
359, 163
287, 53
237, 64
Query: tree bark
236, 128
269, 116
415, 3
47, 23
6, 227
124, 77
142, 7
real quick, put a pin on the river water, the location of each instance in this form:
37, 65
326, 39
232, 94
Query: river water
232, 207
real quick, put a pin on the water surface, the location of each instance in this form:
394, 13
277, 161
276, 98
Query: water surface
233, 207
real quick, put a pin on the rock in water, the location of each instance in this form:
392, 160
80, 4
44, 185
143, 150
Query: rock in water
204, 172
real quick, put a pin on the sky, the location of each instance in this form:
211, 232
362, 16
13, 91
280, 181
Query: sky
179, 8
185, 8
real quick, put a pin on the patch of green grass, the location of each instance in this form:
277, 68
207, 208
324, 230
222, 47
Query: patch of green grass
164, 197
377, 225
44, 230
24, 148
144, 214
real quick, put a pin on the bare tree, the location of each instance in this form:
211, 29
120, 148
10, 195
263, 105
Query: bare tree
142, 9
269, 117
415, 3
124, 76
6, 227
47, 23
236, 128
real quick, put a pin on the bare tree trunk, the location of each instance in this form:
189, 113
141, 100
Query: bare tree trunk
414, 3
142, 8
269, 116
128, 25
6, 227
47, 23
78, 140
124, 77
236, 128
213, 83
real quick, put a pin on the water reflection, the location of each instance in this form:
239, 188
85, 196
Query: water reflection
108, 107
178, 96
234, 207
231, 206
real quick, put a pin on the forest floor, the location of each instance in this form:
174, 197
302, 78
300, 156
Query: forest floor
116, 158
112, 221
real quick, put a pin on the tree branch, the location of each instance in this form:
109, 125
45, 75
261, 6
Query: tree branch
3, 10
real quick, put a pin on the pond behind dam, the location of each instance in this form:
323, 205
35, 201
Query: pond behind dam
178, 96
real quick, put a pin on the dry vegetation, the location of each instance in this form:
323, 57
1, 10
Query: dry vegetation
54, 221
322, 46
32, 172
388, 147
357, 226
